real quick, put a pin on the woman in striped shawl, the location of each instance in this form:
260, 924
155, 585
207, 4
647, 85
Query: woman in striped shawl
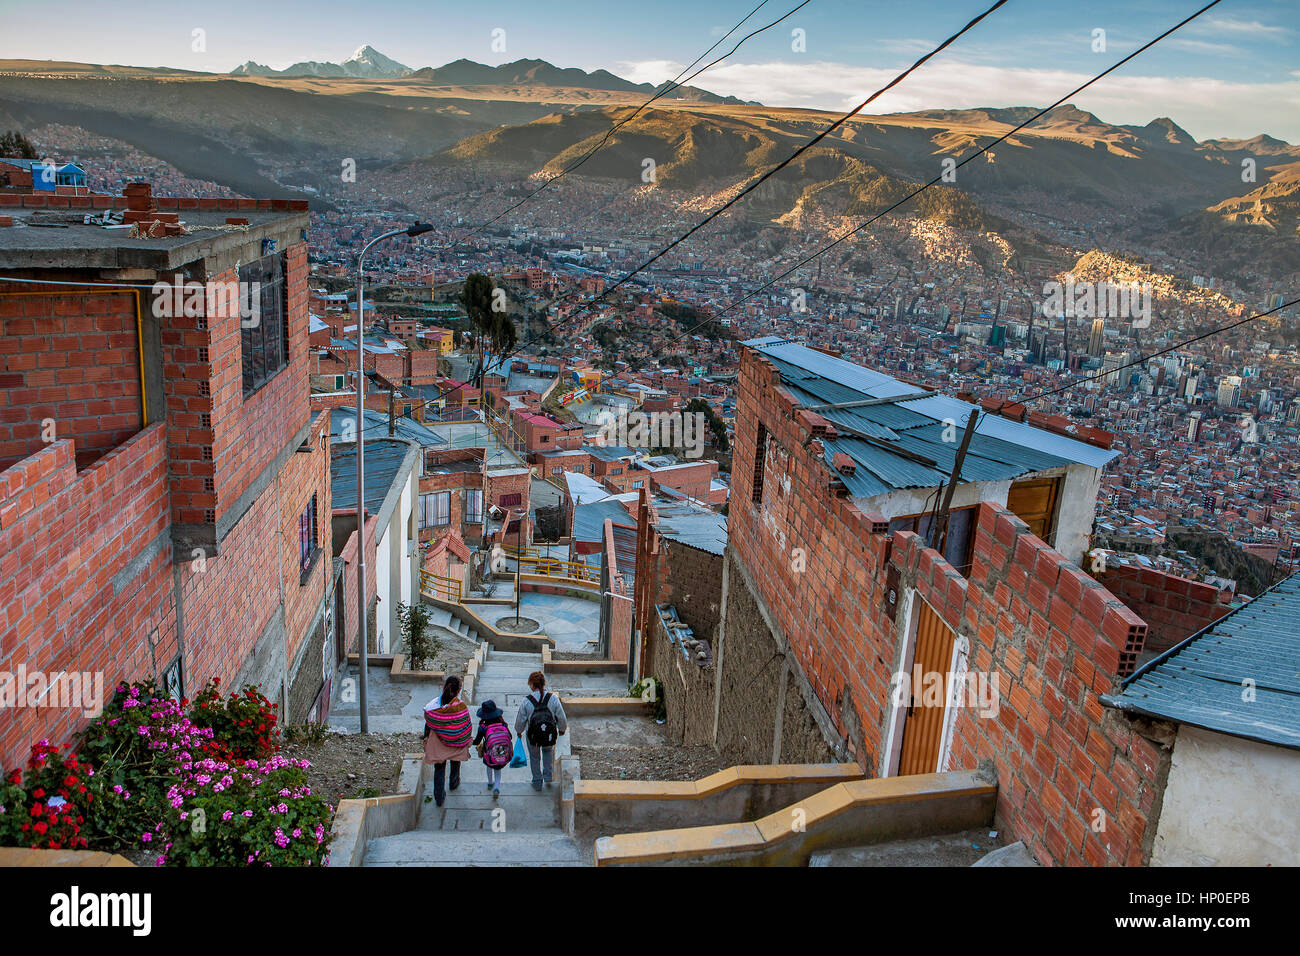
447, 733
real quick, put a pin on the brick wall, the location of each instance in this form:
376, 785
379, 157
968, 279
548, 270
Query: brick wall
1173, 607
250, 432
71, 598
72, 358
820, 573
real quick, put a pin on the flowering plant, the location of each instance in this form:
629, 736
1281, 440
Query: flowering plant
44, 807
245, 722
248, 813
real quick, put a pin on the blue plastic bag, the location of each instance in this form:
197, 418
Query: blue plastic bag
521, 756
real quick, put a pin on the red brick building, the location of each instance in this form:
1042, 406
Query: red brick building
164, 489
833, 608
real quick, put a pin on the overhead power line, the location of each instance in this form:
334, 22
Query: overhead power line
1165, 351
715, 213
680, 80
920, 189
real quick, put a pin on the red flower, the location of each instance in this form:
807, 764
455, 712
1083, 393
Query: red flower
40, 828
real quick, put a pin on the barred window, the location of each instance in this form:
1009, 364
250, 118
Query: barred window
264, 319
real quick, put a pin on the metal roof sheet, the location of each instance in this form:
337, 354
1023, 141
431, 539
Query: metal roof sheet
1202, 680
999, 450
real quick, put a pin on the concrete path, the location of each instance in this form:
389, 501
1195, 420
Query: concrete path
521, 827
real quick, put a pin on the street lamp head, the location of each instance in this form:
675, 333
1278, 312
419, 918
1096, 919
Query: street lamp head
419, 229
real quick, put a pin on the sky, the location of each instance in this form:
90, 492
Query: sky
1233, 72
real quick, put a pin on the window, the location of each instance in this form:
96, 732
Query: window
556, 470
338, 383
264, 342
174, 681
308, 535
760, 463
544, 438
474, 506
510, 501
616, 471
958, 538
578, 469
637, 484
435, 509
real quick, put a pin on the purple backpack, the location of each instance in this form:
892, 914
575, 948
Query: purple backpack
497, 749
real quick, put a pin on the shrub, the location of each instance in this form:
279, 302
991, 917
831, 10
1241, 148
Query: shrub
420, 647
136, 744
244, 723
243, 814
44, 807
651, 689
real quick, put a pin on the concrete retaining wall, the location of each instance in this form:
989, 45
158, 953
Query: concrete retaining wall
734, 795
356, 822
857, 813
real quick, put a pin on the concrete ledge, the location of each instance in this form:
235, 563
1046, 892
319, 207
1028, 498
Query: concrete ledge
399, 671
847, 814
502, 640
356, 822
551, 665
619, 706
734, 795
17, 856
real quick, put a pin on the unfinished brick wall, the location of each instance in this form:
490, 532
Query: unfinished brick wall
1173, 607
85, 575
1056, 638
250, 431
71, 358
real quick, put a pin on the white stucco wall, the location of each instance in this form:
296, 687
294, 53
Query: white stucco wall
383, 589
1229, 802
1074, 516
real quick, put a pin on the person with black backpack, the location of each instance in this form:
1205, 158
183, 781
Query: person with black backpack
541, 721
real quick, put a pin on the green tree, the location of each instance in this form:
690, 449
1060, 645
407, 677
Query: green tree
716, 424
494, 328
17, 146
420, 647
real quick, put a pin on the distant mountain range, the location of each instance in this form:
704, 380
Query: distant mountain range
367, 63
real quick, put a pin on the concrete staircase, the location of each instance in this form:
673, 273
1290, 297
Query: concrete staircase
441, 617
521, 827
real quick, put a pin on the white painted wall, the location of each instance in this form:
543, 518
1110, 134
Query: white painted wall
1229, 802
383, 590
1075, 510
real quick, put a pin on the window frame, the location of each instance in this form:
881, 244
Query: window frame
309, 548
264, 354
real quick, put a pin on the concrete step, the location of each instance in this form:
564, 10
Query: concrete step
475, 848
515, 656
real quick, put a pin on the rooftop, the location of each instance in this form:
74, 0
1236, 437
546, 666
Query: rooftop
1202, 680
894, 432
54, 234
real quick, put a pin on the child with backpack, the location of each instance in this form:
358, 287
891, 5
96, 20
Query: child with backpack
541, 715
494, 744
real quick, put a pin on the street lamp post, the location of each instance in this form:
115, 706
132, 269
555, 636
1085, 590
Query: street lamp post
418, 229
519, 559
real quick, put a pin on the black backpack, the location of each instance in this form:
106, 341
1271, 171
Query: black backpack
542, 731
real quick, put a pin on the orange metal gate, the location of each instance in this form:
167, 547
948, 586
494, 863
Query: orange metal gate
923, 727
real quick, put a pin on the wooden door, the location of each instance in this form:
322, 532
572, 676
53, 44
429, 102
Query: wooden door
923, 725
1034, 503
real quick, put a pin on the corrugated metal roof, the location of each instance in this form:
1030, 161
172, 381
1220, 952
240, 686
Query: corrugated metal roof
1203, 680
384, 458
692, 524
999, 450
